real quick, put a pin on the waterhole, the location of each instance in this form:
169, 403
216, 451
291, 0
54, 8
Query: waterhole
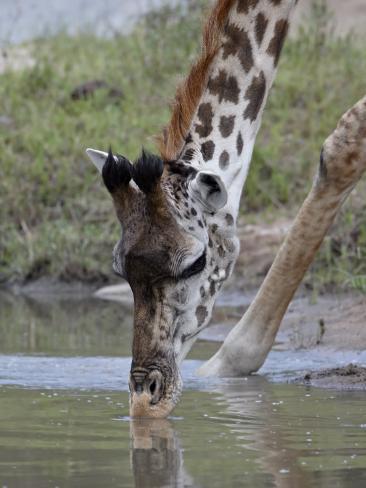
64, 411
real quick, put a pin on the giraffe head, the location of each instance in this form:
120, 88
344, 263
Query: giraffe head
177, 247
178, 242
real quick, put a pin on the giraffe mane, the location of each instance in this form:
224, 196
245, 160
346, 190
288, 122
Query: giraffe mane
190, 90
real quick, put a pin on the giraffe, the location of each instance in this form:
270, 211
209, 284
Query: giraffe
178, 210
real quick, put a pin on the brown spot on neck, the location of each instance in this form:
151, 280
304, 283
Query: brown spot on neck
224, 160
278, 39
255, 94
229, 219
207, 150
201, 315
238, 44
244, 6
239, 143
261, 24
226, 87
226, 125
205, 115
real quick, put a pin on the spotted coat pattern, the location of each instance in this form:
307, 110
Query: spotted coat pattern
229, 113
217, 232
221, 140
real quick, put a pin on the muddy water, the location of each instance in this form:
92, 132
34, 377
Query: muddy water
64, 411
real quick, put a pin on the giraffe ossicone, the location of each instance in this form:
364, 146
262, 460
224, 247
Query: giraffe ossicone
98, 158
178, 210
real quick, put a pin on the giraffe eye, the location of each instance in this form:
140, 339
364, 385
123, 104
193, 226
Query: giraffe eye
195, 268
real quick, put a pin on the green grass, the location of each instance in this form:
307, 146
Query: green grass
56, 218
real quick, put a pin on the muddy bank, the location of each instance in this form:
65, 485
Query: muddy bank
259, 244
350, 377
332, 321
328, 331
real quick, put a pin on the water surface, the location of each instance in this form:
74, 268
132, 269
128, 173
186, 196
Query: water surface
244, 434
64, 411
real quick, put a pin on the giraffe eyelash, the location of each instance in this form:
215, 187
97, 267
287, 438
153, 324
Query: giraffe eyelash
197, 267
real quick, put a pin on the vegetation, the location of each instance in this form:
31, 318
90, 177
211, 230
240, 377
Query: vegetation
55, 217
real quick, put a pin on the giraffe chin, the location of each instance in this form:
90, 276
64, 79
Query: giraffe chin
141, 406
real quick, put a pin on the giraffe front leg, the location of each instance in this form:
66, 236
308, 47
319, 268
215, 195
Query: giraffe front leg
342, 163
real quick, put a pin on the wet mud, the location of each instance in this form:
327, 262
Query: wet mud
350, 377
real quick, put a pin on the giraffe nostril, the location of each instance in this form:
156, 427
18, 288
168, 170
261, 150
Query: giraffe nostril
153, 387
138, 380
151, 383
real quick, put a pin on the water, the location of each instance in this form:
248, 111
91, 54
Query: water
22, 20
64, 411
245, 434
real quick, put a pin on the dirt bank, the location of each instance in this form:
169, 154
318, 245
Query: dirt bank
332, 321
351, 377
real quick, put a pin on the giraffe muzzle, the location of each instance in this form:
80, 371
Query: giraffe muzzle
147, 383
153, 394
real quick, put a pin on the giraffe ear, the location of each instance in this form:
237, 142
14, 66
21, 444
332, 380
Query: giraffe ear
98, 158
210, 190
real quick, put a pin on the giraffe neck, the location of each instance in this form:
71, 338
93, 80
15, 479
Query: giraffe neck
229, 113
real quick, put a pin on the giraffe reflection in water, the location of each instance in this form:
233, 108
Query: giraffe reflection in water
157, 458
